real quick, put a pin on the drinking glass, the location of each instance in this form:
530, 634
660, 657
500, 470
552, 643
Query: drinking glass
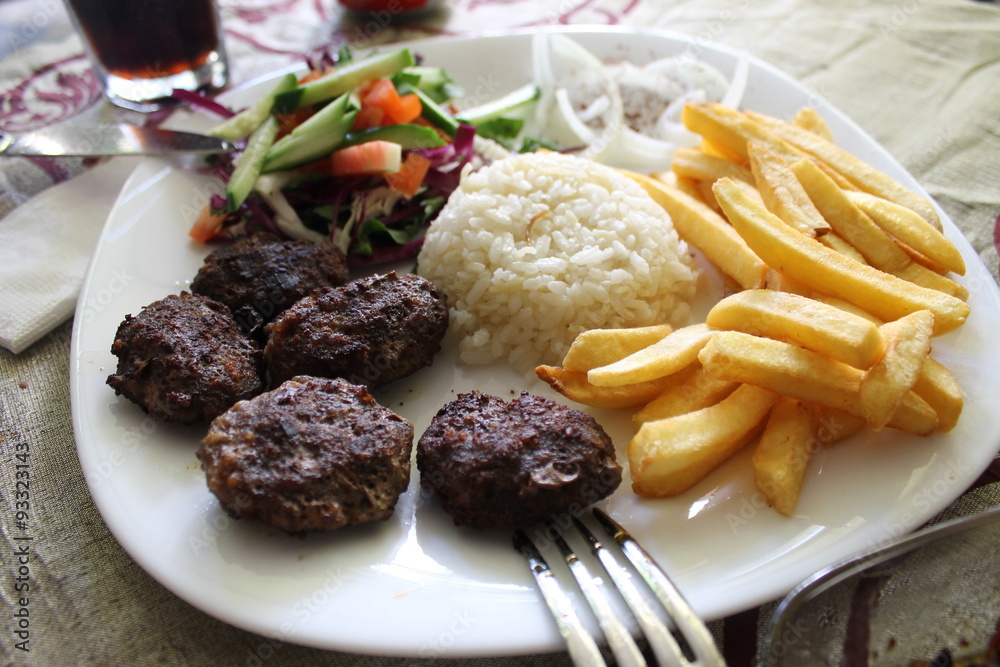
143, 49
931, 598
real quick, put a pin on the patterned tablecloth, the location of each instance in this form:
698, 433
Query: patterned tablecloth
920, 75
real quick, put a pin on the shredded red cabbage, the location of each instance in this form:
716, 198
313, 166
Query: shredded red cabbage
202, 102
262, 214
447, 161
384, 254
461, 146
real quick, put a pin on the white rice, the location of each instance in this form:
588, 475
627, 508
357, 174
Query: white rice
534, 249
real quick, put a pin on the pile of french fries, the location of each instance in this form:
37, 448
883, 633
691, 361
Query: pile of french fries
840, 280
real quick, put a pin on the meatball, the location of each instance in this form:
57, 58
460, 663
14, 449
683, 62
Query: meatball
183, 359
370, 331
315, 454
261, 275
495, 464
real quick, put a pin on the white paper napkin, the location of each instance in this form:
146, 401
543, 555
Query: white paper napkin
45, 246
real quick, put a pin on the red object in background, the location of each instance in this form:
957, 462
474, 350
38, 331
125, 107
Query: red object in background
392, 6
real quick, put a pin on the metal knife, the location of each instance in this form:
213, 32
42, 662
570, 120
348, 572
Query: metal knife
110, 139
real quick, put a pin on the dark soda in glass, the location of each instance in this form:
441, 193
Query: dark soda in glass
145, 48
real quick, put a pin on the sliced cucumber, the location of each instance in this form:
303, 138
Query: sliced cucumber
406, 135
317, 136
434, 113
343, 79
249, 165
425, 77
250, 118
512, 103
434, 81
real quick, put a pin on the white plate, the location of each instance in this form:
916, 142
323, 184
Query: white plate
417, 586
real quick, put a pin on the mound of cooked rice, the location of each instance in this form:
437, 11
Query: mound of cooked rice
535, 248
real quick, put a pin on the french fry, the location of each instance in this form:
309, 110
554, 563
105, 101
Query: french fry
600, 347
700, 166
667, 356
849, 307
834, 242
829, 272
691, 189
695, 390
884, 385
709, 232
911, 230
800, 320
937, 385
574, 386
805, 375
866, 177
732, 130
850, 223
783, 193
668, 177
669, 456
784, 368
831, 426
709, 147
749, 189
706, 195
809, 119
783, 454
780, 282
918, 274
688, 186
872, 241
921, 259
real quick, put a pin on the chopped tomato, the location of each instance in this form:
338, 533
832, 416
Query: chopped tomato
381, 93
371, 157
207, 226
368, 117
410, 108
409, 177
366, 86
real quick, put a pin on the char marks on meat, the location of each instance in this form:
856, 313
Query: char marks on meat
495, 464
315, 454
183, 359
261, 275
370, 331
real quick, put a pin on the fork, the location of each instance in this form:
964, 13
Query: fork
668, 649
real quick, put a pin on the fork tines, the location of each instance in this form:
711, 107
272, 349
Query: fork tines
667, 648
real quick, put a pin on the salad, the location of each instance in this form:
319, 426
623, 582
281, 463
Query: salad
365, 151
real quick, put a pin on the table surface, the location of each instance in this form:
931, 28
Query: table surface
919, 75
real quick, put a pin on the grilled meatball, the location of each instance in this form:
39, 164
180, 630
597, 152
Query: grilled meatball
495, 464
261, 275
183, 359
315, 454
369, 331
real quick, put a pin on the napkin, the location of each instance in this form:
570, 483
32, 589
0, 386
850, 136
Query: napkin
45, 247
